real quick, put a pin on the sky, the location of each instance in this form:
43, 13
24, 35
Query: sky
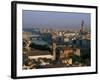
55, 20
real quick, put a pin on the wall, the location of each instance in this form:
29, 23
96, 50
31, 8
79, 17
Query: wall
5, 37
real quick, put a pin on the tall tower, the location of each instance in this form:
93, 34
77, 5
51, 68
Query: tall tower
54, 45
82, 27
54, 50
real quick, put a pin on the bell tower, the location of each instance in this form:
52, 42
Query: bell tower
82, 27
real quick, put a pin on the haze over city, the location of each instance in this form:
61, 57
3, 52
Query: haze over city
55, 20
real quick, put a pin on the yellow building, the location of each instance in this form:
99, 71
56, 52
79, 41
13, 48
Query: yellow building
66, 56
68, 53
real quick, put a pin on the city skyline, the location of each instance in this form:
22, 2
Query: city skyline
48, 44
55, 20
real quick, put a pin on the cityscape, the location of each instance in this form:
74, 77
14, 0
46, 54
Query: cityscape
55, 47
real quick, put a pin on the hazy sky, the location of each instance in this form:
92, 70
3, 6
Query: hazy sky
60, 20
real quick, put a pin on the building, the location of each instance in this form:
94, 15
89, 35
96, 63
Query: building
82, 43
26, 35
66, 56
77, 52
